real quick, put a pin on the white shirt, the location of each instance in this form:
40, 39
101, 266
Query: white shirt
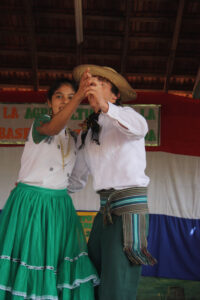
42, 164
120, 159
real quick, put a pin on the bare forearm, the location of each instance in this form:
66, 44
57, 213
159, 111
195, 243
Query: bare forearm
59, 121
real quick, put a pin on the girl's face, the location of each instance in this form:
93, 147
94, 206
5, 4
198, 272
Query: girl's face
60, 98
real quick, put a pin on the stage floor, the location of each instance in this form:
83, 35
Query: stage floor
153, 288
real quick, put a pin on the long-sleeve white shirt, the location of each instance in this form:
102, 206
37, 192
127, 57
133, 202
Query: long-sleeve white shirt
120, 159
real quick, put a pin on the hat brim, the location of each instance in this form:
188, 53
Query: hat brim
126, 91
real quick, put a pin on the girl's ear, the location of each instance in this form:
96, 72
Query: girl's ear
50, 107
49, 103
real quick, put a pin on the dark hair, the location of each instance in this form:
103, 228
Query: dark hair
58, 83
115, 91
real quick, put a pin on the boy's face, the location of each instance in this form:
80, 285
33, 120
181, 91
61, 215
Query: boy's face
105, 92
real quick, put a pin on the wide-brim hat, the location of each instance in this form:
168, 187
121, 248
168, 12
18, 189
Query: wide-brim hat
126, 91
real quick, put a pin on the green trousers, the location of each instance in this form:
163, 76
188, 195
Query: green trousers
119, 278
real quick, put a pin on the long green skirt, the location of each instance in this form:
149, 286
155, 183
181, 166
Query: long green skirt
43, 252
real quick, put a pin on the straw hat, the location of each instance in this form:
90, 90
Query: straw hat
126, 91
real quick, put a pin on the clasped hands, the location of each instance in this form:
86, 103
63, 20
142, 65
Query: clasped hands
92, 88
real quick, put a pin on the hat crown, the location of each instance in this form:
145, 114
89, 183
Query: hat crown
126, 91
110, 69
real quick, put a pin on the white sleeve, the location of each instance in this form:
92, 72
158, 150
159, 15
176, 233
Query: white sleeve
135, 123
79, 175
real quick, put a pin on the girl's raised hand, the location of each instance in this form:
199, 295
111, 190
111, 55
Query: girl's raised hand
84, 83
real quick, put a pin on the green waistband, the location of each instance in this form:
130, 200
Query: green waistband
21, 185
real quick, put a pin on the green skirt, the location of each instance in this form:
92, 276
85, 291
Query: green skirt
43, 252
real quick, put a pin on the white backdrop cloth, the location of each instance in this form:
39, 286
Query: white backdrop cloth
174, 183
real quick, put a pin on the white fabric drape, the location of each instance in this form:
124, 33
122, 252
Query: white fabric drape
174, 183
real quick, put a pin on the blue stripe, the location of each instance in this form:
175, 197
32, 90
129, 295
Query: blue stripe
103, 202
131, 198
175, 243
126, 202
135, 232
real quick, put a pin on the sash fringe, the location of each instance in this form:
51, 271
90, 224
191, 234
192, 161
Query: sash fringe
131, 204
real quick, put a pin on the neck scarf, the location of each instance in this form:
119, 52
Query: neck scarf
92, 123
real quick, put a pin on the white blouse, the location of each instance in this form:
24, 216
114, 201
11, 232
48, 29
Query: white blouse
120, 159
49, 163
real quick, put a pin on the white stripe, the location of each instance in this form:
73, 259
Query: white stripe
17, 260
77, 282
174, 187
76, 257
21, 294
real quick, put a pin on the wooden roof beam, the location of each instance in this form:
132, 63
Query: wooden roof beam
126, 36
65, 71
32, 42
196, 89
172, 53
79, 29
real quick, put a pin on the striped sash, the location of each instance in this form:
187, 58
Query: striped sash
131, 204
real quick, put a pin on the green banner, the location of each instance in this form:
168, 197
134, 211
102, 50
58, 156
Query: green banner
16, 120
